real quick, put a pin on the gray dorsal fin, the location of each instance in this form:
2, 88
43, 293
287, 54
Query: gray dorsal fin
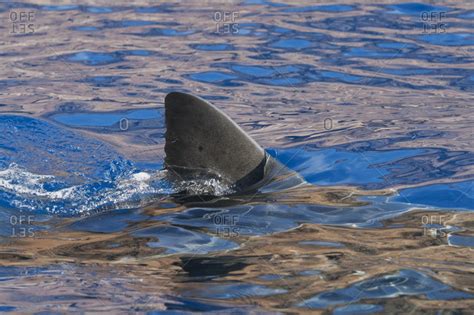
202, 140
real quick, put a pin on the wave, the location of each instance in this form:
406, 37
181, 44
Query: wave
24, 190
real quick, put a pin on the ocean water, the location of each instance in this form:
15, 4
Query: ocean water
370, 102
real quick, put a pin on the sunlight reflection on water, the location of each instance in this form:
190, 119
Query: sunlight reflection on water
373, 97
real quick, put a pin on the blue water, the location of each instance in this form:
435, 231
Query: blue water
322, 243
461, 240
106, 119
404, 282
370, 103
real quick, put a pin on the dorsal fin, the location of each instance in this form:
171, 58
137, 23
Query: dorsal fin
202, 140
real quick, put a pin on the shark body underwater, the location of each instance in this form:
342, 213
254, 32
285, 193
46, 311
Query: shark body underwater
203, 142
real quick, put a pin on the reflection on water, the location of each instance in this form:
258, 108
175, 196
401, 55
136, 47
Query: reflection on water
405, 282
370, 103
106, 119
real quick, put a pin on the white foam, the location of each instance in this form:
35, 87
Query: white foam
211, 186
28, 191
142, 176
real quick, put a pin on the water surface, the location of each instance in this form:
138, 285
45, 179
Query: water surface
370, 102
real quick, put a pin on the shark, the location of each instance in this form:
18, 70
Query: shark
202, 142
